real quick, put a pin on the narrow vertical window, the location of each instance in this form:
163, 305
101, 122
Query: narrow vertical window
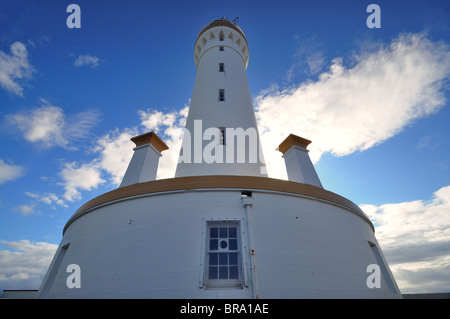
220, 48
221, 95
223, 256
221, 36
222, 136
221, 67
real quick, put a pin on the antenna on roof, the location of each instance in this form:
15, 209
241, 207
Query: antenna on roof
236, 21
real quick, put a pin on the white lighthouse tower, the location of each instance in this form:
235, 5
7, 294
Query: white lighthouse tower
220, 228
221, 136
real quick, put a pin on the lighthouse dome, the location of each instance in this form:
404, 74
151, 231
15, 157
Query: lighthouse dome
221, 33
222, 22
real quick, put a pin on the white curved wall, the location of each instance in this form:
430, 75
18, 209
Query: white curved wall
303, 248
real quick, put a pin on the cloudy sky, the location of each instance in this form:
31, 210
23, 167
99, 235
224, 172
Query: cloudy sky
374, 102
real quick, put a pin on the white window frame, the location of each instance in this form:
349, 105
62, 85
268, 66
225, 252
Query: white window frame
242, 280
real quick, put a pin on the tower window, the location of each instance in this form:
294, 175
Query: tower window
222, 136
221, 95
221, 67
223, 255
221, 36
220, 48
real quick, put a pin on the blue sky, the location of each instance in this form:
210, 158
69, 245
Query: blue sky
374, 102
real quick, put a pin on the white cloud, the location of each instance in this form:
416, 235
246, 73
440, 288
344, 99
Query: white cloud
48, 126
23, 264
13, 67
51, 199
415, 238
308, 58
10, 172
116, 150
25, 210
79, 177
170, 128
48, 198
353, 109
154, 120
44, 124
113, 152
87, 60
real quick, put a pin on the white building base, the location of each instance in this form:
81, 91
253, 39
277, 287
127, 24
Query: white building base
149, 241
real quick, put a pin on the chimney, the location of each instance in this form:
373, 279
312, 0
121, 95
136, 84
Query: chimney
144, 163
298, 164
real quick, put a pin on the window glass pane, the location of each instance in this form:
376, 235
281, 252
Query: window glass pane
234, 272
213, 244
223, 272
223, 259
232, 244
223, 232
212, 272
213, 259
233, 258
232, 232
213, 232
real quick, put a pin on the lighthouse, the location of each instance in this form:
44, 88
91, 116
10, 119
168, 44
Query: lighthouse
221, 135
220, 228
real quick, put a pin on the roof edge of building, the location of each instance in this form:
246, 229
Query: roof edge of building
217, 182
